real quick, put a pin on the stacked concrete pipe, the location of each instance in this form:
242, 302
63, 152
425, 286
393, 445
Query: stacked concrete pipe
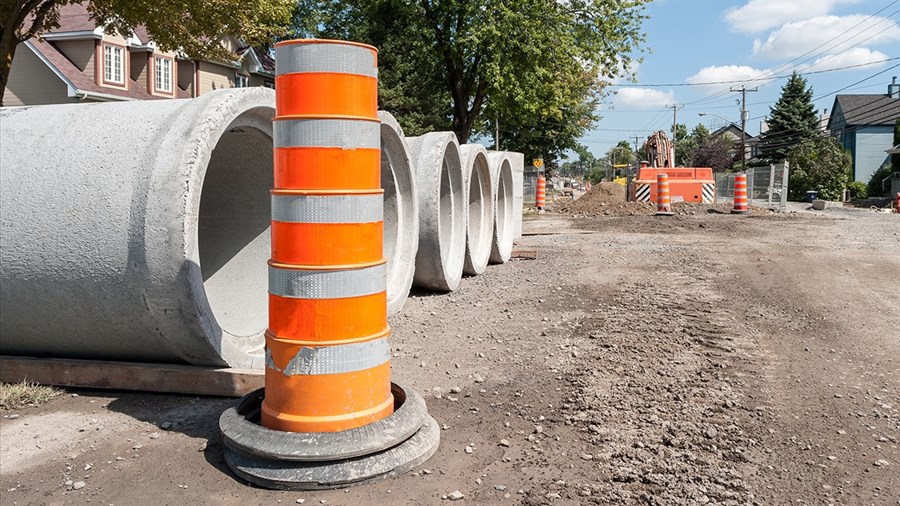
479, 198
137, 230
401, 212
504, 205
442, 211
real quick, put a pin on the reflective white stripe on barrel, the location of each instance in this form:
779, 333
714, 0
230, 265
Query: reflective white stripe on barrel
327, 209
337, 359
331, 58
326, 133
322, 284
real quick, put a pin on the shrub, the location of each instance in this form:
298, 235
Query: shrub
858, 190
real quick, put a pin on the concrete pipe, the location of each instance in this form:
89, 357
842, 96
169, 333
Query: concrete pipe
442, 211
504, 203
517, 162
401, 212
479, 198
137, 230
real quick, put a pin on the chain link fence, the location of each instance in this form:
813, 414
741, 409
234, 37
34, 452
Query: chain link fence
766, 186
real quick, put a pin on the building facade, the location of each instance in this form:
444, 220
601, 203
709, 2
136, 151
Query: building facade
80, 62
864, 125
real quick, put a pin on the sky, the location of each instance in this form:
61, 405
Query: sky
704, 41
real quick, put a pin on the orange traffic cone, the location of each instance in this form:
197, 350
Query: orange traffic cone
540, 198
329, 414
740, 194
663, 199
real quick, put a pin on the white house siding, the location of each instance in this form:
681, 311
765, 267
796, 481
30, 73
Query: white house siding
869, 153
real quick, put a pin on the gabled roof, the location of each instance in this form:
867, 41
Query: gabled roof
80, 84
262, 63
865, 110
732, 129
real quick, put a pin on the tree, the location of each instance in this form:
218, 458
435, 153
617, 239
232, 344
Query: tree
585, 163
535, 67
792, 120
819, 164
686, 147
715, 152
194, 26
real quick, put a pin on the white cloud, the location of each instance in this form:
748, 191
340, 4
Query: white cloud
856, 56
797, 38
727, 73
759, 15
643, 98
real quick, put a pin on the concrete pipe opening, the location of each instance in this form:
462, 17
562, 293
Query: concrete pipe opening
442, 211
233, 232
480, 200
401, 212
137, 231
503, 234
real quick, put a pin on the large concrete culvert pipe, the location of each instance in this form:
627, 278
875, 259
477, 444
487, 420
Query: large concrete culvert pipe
504, 205
401, 212
479, 190
442, 211
137, 230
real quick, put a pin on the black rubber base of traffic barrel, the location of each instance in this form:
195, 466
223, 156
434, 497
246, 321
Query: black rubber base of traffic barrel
735, 211
322, 460
664, 213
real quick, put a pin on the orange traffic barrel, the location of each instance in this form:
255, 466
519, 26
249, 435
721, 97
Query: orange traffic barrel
327, 352
740, 194
540, 198
663, 197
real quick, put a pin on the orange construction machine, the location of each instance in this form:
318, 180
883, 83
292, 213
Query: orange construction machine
686, 184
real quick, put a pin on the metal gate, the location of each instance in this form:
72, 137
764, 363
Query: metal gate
766, 186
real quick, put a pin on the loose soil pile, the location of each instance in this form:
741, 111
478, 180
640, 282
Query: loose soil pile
608, 199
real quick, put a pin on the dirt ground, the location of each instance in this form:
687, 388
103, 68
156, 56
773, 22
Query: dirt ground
697, 359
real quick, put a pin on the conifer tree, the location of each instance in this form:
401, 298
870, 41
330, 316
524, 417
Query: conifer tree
791, 121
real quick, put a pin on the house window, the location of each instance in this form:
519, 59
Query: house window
163, 74
113, 64
241, 81
269, 84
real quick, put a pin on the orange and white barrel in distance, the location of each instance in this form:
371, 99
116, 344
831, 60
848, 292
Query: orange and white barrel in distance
327, 351
540, 198
740, 194
663, 196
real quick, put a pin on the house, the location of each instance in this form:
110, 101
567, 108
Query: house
80, 62
733, 133
864, 125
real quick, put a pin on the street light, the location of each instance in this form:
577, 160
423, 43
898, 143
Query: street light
743, 137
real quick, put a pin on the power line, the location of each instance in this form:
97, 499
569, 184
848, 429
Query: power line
756, 79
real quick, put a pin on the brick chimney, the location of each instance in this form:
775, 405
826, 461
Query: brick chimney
894, 88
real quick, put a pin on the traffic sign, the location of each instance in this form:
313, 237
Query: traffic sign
538, 163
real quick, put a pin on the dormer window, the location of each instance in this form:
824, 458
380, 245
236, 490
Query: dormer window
113, 64
163, 73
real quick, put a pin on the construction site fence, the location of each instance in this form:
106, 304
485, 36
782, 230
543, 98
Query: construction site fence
766, 186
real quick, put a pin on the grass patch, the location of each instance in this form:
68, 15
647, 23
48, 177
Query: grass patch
23, 393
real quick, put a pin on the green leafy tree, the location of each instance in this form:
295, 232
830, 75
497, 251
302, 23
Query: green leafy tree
792, 120
621, 153
194, 26
688, 143
819, 164
535, 67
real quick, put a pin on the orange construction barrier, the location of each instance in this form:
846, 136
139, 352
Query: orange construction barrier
327, 353
663, 201
740, 194
540, 198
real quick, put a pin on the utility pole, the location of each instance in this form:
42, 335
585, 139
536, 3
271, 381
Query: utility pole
744, 115
674, 131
